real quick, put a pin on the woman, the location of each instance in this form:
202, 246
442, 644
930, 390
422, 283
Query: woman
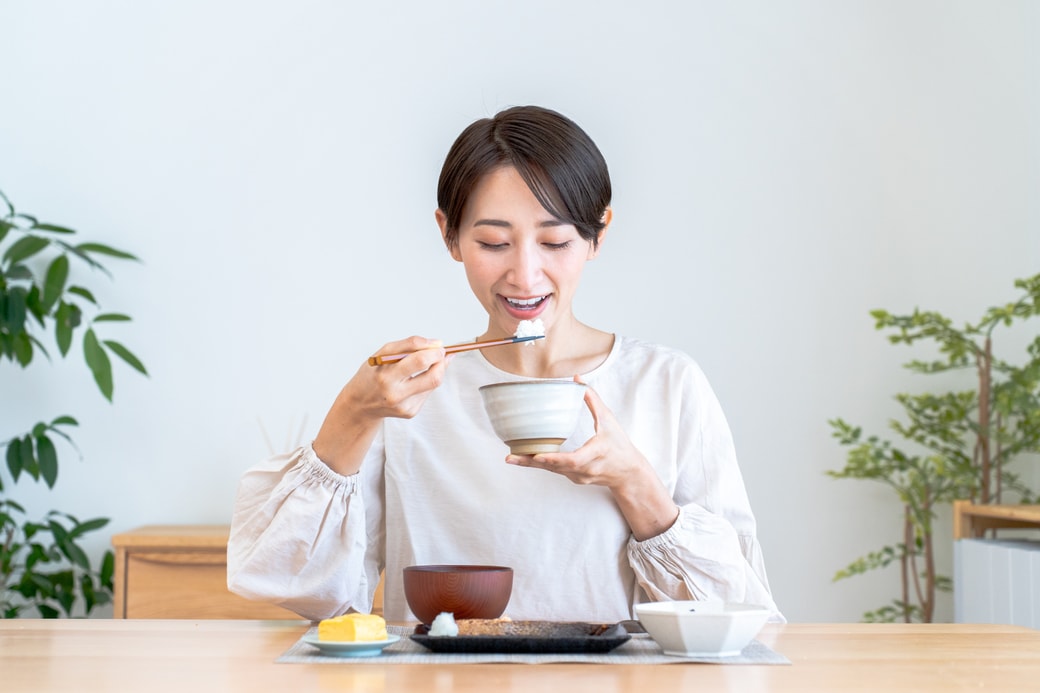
644, 502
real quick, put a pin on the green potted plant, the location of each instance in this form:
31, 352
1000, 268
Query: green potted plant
958, 445
43, 567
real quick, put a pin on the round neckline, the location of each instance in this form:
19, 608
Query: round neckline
605, 363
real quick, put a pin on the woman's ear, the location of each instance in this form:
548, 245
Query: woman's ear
608, 216
442, 222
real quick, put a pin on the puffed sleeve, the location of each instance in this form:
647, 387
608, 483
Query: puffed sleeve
299, 538
702, 557
711, 551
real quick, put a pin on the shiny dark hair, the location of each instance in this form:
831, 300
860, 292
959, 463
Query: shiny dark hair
559, 162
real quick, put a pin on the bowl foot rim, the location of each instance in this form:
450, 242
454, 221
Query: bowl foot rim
533, 446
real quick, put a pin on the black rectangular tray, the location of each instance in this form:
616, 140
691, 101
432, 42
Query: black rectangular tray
551, 638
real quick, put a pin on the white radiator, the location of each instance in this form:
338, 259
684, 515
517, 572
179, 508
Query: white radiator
996, 581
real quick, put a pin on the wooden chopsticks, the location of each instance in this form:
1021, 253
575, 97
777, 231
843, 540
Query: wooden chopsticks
467, 346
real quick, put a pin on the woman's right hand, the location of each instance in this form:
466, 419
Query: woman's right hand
394, 390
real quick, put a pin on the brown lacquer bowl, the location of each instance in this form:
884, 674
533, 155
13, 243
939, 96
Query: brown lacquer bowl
467, 591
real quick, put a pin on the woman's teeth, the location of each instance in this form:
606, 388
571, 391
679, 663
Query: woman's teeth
525, 303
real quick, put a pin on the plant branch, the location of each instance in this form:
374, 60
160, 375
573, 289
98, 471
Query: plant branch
905, 562
983, 360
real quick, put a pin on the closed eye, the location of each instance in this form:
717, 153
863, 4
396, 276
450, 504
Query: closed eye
558, 246
492, 246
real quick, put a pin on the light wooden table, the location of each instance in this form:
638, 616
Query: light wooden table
197, 656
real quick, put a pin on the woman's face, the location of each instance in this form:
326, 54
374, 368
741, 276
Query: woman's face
521, 262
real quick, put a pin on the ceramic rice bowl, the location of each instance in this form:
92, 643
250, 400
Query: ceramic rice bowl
533, 416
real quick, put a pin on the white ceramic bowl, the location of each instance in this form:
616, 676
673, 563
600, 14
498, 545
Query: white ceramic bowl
533, 416
696, 628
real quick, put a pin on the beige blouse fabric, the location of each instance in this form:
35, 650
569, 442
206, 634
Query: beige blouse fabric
435, 489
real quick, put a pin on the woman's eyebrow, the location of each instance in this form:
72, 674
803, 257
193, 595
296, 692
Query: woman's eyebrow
501, 223
492, 222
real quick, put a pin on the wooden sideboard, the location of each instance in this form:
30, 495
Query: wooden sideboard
995, 577
970, 521
180, 571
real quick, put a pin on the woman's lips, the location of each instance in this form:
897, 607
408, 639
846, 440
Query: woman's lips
525, 308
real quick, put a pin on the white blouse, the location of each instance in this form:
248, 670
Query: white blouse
436, 489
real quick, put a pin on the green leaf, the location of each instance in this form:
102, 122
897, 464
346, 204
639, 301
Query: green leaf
47, 611
82, 528
99, 363
24, 248
19, 272
104, 250
74, 250
14, 506
112, 317
54, 284
14, 458
872, 561
53, 228
30, 529
23, 349
80, 291
37, 554
64, 421
33, 584
108, 569
34, 306
66, 319
65, 591
14, 313
125, 354
29, 465
48, 458
61, 535
86, 588
76, 555
4, 228
66, 436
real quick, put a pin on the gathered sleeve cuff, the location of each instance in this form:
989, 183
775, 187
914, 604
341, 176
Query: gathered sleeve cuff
298, 537
701, 557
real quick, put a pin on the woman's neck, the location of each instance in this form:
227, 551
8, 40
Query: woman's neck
567, 350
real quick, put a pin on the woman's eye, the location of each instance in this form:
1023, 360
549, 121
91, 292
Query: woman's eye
558, 246
491, 246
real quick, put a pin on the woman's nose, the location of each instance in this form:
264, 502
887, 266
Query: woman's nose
527, 267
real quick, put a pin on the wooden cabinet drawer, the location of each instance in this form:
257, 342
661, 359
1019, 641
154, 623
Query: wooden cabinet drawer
187, 585
171, 571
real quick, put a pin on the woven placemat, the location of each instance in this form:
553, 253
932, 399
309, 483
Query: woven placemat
641, 649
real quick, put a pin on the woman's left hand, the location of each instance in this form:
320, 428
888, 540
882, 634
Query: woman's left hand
609, 458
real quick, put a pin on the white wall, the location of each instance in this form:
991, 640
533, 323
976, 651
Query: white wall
780, 169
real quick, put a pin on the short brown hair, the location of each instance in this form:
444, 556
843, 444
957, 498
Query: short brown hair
559, 162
